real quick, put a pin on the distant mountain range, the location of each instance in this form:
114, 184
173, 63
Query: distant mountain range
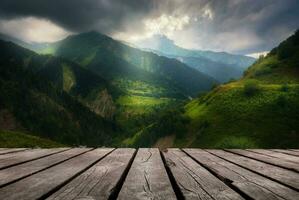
220, 65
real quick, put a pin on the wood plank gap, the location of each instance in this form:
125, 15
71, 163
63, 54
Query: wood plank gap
221, 178
18, 179
285, 158
254, 185
7, 151
173, 182
25, 161
288, 152
72, 178
120, 183
268, 177
263, 160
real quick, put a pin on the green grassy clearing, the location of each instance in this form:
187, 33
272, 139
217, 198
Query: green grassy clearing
12, 139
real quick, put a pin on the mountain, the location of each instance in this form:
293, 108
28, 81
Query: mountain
115, 60
220, 65
261, 110
48, 107
150, 83
124, 85
90, 89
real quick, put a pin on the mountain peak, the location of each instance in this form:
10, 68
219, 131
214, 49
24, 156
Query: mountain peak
157, 42
90, 35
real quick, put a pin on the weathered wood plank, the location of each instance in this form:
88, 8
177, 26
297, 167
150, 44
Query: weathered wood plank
278, 174
7, 160
40, 184
194, 181
99, 181
251, 184
282, 157
6, 151
11, 174
1, 149
147, 178
289, 152
267, 159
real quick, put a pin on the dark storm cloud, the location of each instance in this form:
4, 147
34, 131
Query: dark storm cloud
77, 15
240, 26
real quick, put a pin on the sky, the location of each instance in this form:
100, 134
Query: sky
248, 27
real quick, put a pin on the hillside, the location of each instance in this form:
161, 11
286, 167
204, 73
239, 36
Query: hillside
261, 110
12, 139
90, 89
220, 65
30, 102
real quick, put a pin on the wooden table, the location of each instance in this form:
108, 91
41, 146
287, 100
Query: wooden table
126, 173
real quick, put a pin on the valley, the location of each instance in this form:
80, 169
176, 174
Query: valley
92, 90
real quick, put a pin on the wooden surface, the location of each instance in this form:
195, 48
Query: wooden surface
147, 178
107, 173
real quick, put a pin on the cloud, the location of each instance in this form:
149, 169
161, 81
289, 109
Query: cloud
239, 26
32, 29
165, 24
258, 54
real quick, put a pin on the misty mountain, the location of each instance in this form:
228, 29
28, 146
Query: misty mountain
220, 65
34, 46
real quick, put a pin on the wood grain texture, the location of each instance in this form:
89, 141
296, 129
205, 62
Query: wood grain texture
7, 160
288, 152
278, 174
251, 184
19, 171
147, 178
6, 150
99, 181
284, 159
195, 181
261, 156
40, 184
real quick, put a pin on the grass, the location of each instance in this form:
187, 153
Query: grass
69, 79
141, 101
271, 70
228, 118
12, 139
141, 88
131, 141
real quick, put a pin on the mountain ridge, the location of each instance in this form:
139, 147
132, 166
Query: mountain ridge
203, 61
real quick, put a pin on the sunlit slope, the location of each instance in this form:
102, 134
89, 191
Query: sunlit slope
259, 111
228, 118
